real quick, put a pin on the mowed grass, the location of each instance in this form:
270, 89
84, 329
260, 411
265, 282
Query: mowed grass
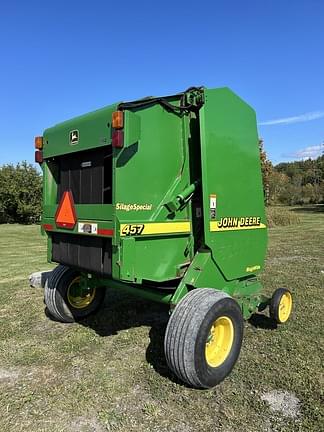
109, 373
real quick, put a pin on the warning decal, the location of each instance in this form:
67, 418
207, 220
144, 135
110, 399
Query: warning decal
212, 206
65, 216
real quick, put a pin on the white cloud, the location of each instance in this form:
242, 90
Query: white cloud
295, 119
311, 152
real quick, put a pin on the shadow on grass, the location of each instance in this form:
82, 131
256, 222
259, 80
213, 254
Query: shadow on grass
263, 321
121, 311
155, 355
319, 208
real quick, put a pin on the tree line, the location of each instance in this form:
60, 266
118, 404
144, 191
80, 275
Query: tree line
20, 193
293, 183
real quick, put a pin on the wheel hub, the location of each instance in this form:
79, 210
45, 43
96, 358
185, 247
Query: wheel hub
219, 341
285, 307
79, 295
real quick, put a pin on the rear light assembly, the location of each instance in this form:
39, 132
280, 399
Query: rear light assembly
118, 119
39, 156
39, 142
118, 139
39, 148
118, 133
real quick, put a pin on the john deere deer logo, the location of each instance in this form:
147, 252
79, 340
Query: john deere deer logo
74, 137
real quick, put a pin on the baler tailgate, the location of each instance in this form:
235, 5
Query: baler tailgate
234, 218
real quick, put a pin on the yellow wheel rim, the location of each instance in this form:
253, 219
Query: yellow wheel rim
285, 306
77, 296
219, 341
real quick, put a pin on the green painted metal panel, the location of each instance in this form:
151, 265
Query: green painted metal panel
128, 259
232, 184
50, 174
151, 169
93, 130
161, 257
99, 212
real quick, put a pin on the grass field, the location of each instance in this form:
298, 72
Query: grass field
109, 373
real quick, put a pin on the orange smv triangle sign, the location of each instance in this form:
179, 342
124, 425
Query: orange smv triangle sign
65, 216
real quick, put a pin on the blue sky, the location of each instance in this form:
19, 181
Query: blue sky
60, 59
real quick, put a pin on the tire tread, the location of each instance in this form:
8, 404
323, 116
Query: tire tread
55, 296
188, 314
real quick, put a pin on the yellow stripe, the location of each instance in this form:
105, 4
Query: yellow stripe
166, 227
158, 228
214, 227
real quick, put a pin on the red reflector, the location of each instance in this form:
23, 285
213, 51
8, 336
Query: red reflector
118, 139
48, 227
65, 216
107, 232
38, 156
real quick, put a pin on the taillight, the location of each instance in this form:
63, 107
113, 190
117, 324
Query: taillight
117, 123
39, 156
118, 138
118, 119
39, 142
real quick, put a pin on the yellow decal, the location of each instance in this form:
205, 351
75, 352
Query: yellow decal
154, 228
252, 269
237, 223
131, 229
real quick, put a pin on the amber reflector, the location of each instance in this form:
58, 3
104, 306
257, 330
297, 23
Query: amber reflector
118, 119
39, 142
65, 216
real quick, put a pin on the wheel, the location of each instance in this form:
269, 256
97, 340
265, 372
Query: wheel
66, 299
203, 337
281, 305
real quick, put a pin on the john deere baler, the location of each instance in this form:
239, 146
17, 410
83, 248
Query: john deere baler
162, 197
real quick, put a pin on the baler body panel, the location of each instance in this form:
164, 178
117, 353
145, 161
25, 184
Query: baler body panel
234, 217
93, 130
182, 185
150, 170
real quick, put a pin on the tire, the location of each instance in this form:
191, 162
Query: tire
281, 305
59, 299
201, 318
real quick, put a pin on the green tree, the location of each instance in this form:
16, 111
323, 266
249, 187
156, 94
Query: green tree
278, 183
20, 193
308, 194
305, 181
290, 195
266, 168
